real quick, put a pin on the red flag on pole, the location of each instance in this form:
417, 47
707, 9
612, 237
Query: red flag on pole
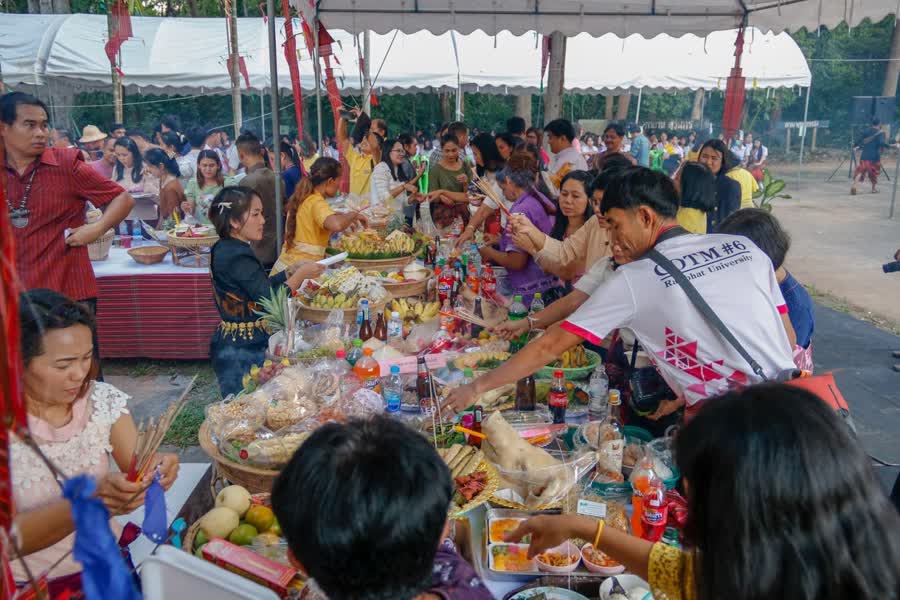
121, 31
290, 55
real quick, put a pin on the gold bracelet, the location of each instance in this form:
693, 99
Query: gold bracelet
600, 524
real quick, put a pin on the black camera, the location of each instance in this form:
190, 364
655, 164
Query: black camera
891, 267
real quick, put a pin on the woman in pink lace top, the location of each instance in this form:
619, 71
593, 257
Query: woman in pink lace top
79, 424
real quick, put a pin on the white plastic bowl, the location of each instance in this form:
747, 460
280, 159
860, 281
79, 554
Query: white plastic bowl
599, 569
629, 582
564, 548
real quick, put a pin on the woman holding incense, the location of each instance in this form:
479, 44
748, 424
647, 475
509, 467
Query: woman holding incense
488, 163
517, 180
79, 424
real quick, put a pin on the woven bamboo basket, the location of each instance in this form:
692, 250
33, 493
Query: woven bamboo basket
408, 289
254, 479
187, 542
99, 248
493, 484
381, 264
320, 315
148, 255
190, 251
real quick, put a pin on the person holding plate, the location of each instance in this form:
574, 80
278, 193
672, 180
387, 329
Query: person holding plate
239, 283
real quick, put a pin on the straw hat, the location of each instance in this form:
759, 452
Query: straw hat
91, 133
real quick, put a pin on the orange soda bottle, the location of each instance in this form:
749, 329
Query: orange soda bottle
641, 478
368, 370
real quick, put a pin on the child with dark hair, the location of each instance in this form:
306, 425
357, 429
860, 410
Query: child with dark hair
764, 230
363, 506
239, 282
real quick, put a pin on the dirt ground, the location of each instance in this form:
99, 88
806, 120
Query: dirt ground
839, 241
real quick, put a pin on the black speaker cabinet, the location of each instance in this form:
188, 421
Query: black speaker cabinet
865, 108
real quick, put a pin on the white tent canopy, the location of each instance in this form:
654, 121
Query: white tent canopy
571, 17
188, 56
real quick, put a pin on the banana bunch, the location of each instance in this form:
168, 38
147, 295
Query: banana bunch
326, 300
573, 359
414, 310
399, 242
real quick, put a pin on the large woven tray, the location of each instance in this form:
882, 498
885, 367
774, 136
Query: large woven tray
254, 479
380, 264
189, 242
320, 315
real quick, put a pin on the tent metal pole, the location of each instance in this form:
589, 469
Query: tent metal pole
805, 117
637, 114
318, 72
262, 114
276, 126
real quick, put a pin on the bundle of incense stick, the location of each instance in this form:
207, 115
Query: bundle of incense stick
488, 190
466, 315
150, 436
437, 419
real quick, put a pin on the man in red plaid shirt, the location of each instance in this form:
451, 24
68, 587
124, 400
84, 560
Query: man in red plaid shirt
47, 190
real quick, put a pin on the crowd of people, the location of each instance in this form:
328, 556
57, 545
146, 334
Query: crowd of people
591, 226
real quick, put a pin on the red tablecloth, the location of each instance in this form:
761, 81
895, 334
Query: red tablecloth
154, 313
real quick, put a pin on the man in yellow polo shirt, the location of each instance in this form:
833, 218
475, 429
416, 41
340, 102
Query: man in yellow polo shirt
361, 162
747, 182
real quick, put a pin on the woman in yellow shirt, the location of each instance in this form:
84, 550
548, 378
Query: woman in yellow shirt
697, 186
782, 503
310, 220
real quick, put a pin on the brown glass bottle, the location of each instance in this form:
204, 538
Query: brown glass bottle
380, 331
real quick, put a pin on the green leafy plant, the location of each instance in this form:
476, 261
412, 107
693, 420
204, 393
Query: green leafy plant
768, 191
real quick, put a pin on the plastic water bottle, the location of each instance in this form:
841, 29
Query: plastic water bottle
124, 235
137, 238
395, 327
537, 304
355, 353
517, 312
474, 258
393, 390
598, 390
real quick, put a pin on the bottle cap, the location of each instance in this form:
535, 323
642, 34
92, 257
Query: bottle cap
395, 369
467, 373
340, 354
517, 298
395, 315
537, 295
558, 373
367, 351
615, 397
357, 342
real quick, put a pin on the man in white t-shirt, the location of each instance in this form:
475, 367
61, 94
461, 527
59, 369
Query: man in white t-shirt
560, 134
734, 276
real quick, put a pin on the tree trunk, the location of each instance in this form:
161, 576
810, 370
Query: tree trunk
610, 107
892, 71
62, 6
697, 109
553, 96
446, 112
235, 71
118, 97
34, 7
523, 108
624, 104
192, 7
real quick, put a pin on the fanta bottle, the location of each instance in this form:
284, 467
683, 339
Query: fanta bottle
367, 370
654, 513
641, 479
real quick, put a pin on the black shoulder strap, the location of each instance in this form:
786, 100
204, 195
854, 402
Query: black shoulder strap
704, 308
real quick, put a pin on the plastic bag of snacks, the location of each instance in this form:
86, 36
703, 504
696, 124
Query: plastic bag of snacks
277, 449
586, 500
546, 485
236, 419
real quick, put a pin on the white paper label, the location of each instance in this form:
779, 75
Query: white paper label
592, 509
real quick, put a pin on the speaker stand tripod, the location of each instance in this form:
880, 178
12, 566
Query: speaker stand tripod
851, 155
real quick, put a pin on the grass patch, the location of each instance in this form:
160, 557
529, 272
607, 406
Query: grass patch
183, 432
843, 305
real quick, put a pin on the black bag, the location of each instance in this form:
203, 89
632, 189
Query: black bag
648, 388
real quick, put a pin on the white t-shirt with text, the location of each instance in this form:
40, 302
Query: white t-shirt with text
734, 277
567, 155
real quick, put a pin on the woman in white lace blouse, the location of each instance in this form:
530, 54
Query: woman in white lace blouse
79, 424
386, 184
